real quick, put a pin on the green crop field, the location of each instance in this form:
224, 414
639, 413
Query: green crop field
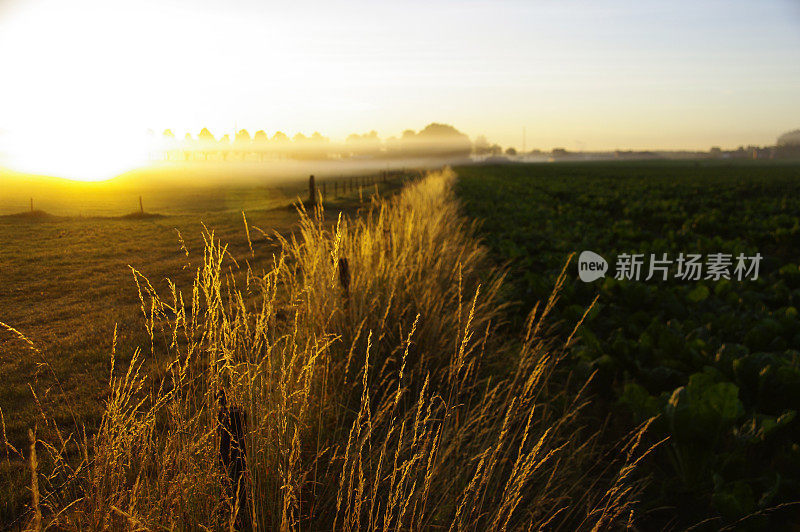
716, 360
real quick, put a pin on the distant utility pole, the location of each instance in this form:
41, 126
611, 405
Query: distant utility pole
524, 134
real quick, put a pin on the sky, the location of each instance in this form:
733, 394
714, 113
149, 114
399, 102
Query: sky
578, 74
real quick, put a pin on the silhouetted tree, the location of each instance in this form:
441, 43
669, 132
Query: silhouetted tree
790, 138
205, 135
366, 145
394, 147
224, 145
188, 145
260, 142
318, 146
281, 144
788, 145
242, 143
242, 137
442, 140
170, 148
407, 145
481, 146
206, 141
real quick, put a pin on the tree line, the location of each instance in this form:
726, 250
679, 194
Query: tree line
441, 141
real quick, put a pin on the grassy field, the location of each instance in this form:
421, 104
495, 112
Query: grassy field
67, 284
358, 381
716, 361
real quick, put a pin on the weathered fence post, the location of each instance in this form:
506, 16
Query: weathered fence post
141, 207
312, 190
344, 275
387, 239
231, 424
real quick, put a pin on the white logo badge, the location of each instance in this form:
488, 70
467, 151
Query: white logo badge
591, 266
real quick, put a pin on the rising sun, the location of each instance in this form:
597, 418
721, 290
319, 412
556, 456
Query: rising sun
78, 156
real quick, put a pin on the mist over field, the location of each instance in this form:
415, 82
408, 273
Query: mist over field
172, 188
180, 175
421, 265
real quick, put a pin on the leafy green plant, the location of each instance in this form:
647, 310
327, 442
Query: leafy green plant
716, 360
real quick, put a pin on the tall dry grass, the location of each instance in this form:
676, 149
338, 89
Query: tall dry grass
374, 391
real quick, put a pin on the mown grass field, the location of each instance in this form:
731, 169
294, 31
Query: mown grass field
717, 362
67, 284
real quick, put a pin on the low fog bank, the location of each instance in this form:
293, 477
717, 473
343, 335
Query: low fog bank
270, 173
170, 187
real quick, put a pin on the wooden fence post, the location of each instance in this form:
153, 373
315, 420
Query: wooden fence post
141, 207
344, 275
312, 190
387, 239
231, 424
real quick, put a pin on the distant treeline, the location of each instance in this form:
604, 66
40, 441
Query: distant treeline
434, 141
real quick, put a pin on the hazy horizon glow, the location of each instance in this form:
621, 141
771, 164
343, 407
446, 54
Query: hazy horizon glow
574, 74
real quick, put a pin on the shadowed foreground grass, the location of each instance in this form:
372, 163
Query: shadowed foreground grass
372, 389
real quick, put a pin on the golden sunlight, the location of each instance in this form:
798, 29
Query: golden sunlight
80, 156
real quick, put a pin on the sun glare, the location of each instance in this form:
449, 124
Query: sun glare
79, 157
81, 109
